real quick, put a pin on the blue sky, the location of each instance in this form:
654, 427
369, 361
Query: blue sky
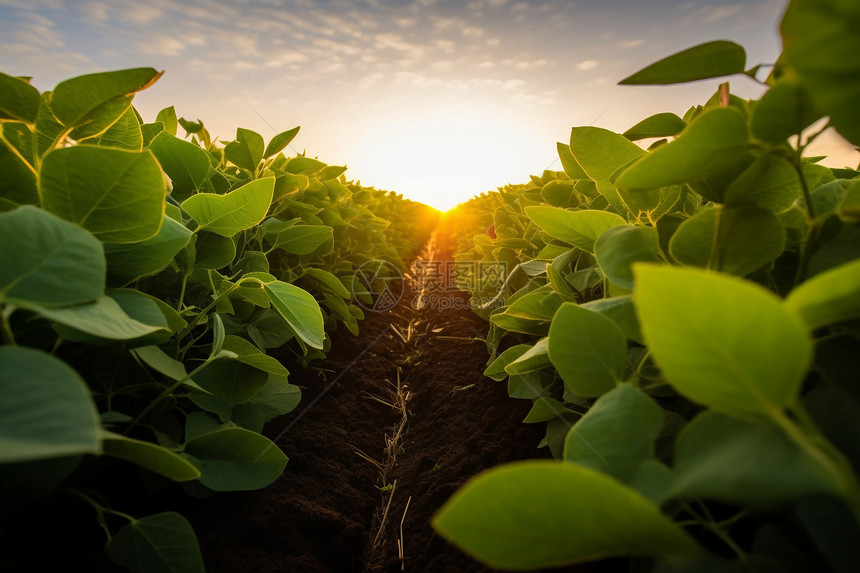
437, 99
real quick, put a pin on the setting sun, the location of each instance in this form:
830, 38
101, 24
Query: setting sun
444, 157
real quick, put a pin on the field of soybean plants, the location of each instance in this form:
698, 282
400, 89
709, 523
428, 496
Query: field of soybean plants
223, 356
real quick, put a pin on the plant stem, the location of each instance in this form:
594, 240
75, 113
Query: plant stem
819, 449
8, 335
215, 300
164, 394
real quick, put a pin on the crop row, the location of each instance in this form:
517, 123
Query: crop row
143, 278
684, 318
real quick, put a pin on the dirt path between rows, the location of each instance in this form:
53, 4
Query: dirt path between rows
358, 430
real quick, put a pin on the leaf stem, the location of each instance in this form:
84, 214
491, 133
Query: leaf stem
8, 335
164, 394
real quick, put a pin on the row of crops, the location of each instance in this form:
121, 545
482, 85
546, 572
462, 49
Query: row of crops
684, 319
143, 278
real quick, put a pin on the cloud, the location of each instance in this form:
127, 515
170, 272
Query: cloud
473, 32
161, 46
587, 65
633, 43
715, 13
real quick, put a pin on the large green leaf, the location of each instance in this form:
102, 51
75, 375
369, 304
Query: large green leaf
115, 194
708, 60
821, 44
228, 214
18, 185
699, 151
771, 182
744, 462
721, 341
579, 228
329, 280
736, 241
657, 125
47, 410
617, 433
73, 101
150, 456
246, 151
18, 99
280, 141
300, 310
125, 133
618, 248
128, 262
164, 542
535, 514
587, 349
621, 311
497, 370
301, 239
47, 261
828, 297
186, 164
784, 110
230, 380
235, 459
103, 318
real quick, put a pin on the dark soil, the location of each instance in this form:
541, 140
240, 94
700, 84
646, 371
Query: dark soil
326, 511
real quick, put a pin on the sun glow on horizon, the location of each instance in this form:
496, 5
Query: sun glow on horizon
445, 157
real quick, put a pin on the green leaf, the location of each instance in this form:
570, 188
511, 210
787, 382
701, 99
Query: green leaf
300, 310
657, 125
579, 228
18, 99
329, 280
617, 433
167, 117
738, 241
159, 361
213, 251
280, 141
784, 110
47, 261
699, 151
535, 358
124, 133
276, 398
115, 194
249, 354
186, 164
588, 350
568, 162
708, 60
47, 410
621, 311
536, 514
721, 341
73, 101
771, 182
497, 369
744, 462
163, 542
128, 262
18, 185
246, 151
545, 409
103, 318
618, 248
149, 456
235, 459
601, 153
228, 214
829, 297
301, 239
820, 45
231, 380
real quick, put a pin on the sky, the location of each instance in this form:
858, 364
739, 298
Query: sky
439, 100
